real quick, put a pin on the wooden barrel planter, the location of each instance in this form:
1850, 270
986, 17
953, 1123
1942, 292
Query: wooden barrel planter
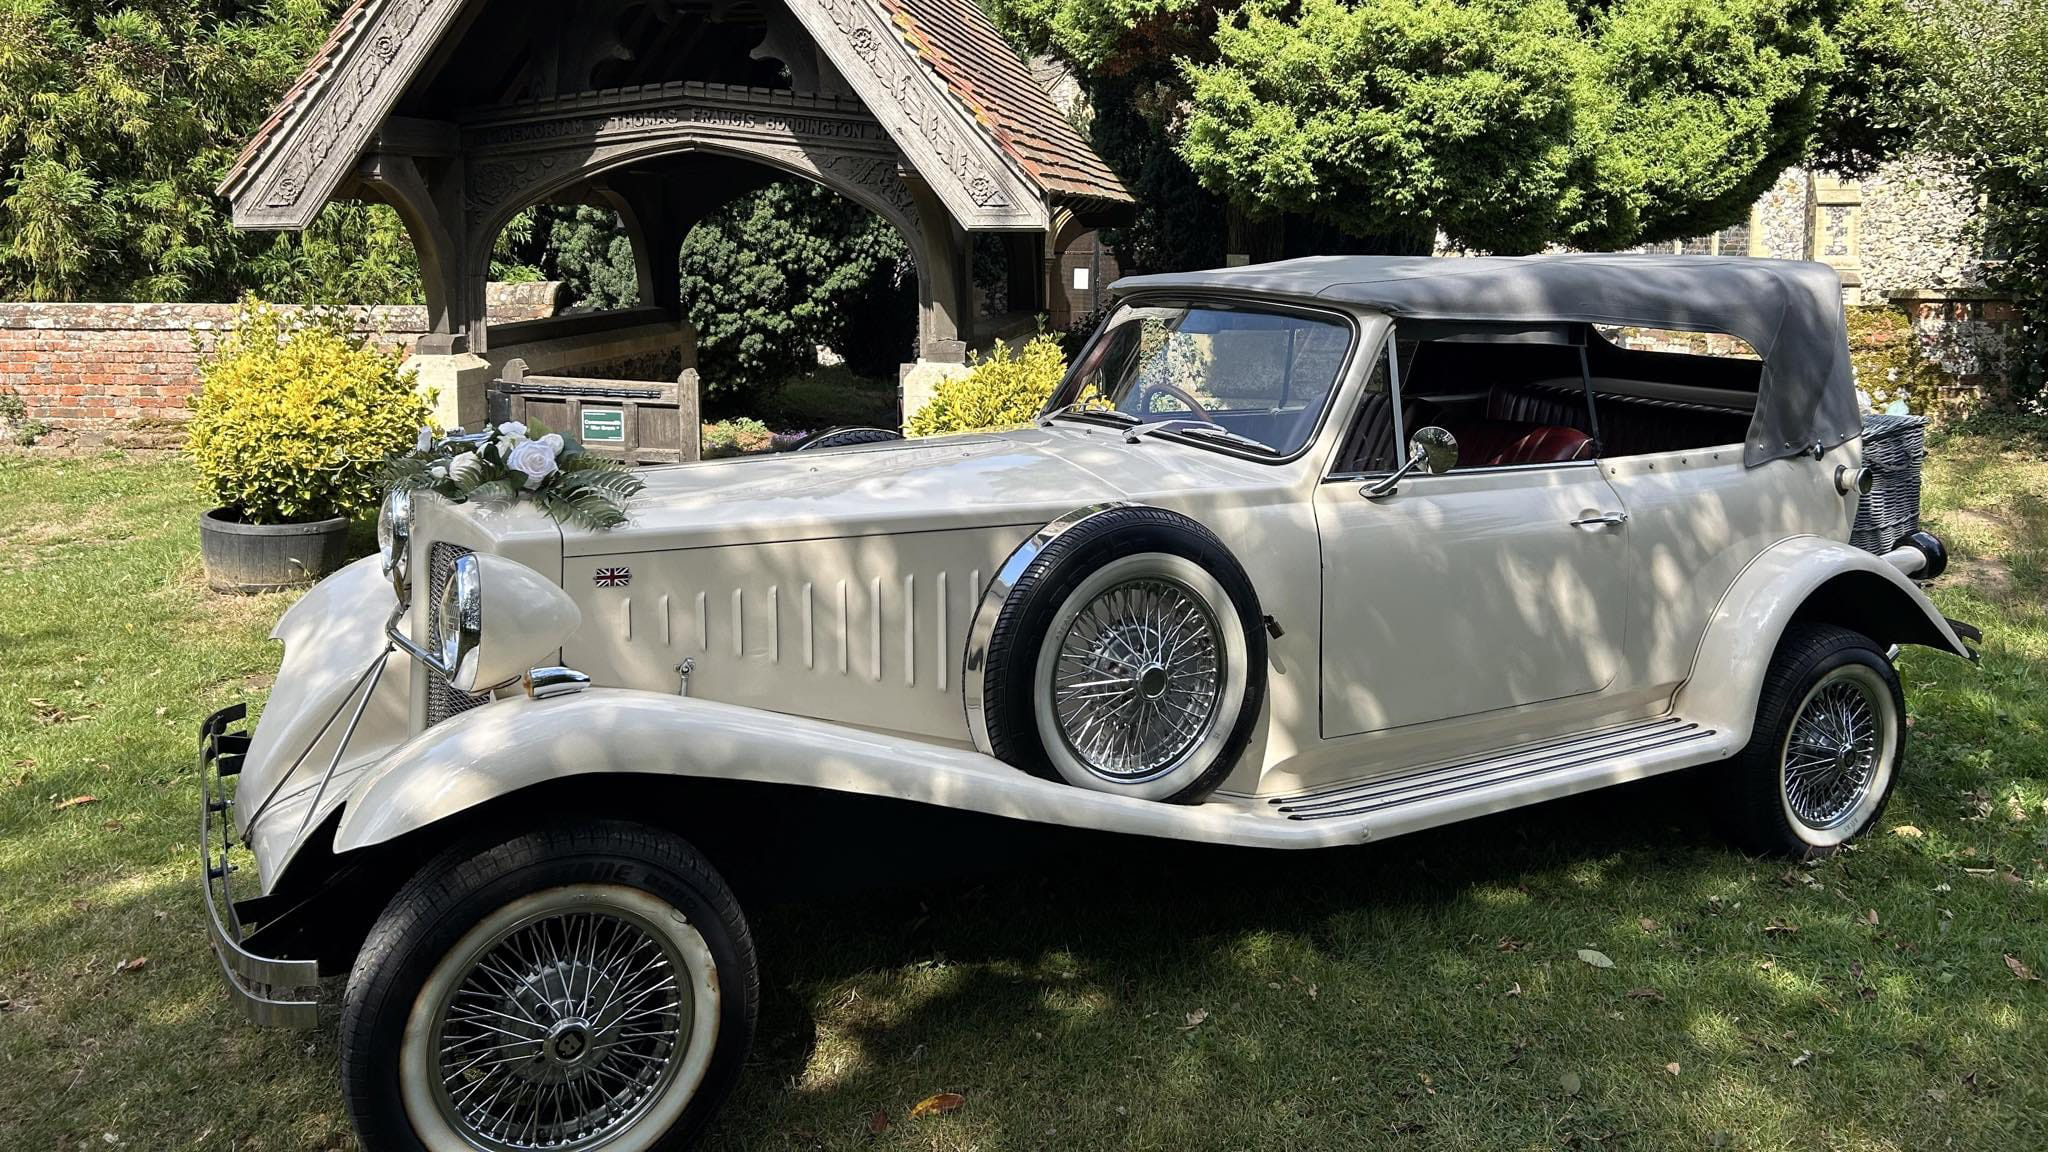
249, 558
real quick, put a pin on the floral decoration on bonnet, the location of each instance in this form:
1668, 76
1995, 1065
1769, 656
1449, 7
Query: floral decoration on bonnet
510, 462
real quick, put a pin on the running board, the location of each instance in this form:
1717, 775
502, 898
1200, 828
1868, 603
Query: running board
1509, 779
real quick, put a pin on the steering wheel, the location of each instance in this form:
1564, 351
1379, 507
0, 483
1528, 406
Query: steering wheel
1187, 398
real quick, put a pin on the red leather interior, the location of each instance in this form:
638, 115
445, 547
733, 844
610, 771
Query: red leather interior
1495, 443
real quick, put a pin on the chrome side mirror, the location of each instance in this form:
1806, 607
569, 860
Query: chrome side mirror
1436, 448
1432, 451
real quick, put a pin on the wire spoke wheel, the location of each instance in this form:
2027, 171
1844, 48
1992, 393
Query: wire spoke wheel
1138, 678
1836, 749
560, 1031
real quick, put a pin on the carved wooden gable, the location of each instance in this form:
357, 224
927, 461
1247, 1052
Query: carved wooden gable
312, 143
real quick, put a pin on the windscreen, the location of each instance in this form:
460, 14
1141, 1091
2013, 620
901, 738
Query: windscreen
1231, 377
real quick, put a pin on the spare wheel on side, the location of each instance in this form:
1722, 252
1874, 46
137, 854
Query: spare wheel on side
1121, 649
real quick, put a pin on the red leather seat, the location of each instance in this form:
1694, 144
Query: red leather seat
1498, 443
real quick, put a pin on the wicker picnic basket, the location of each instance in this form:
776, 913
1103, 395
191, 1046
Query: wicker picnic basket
1894, 447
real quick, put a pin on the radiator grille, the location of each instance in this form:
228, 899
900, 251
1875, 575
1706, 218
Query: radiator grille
443, 700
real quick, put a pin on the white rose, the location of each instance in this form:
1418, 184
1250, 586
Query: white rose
512, 430
534, 458
555, 443
466, 469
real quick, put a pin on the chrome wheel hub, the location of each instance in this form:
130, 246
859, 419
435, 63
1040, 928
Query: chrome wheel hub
1138, 679
560, 1032
1832, 755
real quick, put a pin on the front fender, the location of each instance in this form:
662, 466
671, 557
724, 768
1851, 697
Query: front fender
1807, 577
499, 749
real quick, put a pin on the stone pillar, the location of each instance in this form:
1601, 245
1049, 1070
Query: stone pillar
458, 382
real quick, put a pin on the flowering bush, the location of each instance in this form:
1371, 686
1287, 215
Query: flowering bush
512, 460
744, 436
295, 413
1003, 391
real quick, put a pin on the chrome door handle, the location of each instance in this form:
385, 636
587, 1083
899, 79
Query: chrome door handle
1602, 520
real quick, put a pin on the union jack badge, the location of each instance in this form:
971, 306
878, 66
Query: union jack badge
614, 577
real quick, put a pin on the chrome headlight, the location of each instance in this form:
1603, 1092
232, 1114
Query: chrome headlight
394, 540
460, 615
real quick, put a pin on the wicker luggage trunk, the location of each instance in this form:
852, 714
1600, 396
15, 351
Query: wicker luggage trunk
1894, 447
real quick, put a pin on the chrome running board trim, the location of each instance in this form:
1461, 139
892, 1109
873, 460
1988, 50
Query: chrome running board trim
1516, 764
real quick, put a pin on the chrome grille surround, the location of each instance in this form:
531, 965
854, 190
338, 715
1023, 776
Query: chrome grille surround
443, 700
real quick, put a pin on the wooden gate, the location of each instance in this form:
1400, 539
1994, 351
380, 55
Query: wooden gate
639, 422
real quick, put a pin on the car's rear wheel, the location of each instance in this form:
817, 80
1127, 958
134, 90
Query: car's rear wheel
1128, 657
587, 985
1824, 756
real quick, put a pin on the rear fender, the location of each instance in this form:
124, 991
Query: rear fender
1807, 578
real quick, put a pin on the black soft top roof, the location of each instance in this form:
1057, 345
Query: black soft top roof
1790, 311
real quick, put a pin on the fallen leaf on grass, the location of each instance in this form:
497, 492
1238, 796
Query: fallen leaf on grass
1195, 1019
2019, 969
1516, 990
111, 825
1780, 928
1804, 1058
1870, 917
939, 1105
878, 1122
134, 965
1646, 994
74, 802
1595, 958
1509, 944
1646, 924
1672, 1067
1909, 832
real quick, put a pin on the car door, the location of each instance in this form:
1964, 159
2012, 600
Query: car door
1482, 588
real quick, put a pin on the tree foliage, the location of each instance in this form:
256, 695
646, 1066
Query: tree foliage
1508, 125
1989, 63
584, 247
779, 272
115, 123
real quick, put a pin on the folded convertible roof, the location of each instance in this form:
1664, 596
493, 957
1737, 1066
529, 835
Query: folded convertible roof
1789, 311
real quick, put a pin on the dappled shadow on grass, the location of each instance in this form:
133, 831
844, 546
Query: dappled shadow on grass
1425, 991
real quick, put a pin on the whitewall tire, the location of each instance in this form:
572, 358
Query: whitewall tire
585, 986
1124, 653
1824, 756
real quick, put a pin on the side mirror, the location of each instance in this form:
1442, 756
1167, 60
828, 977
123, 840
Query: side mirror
1431, 451
1436, 448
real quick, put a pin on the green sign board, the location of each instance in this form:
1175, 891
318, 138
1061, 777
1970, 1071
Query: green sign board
604, 426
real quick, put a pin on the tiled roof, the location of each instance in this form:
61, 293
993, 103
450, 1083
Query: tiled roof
344, 27
953, 37
956, 39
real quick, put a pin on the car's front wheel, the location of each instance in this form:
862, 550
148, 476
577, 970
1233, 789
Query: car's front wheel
585, 985
1824, 755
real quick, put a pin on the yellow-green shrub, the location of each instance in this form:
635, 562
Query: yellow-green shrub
1003, 391
296, 413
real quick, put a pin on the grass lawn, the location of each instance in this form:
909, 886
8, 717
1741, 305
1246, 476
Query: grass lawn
1425, 992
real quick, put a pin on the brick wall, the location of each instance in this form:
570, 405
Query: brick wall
100, 373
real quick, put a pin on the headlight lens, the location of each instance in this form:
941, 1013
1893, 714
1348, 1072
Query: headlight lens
394, 539
461, 614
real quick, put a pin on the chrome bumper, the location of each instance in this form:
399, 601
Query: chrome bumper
273, 993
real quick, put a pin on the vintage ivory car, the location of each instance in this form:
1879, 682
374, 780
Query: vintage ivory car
1302, 555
